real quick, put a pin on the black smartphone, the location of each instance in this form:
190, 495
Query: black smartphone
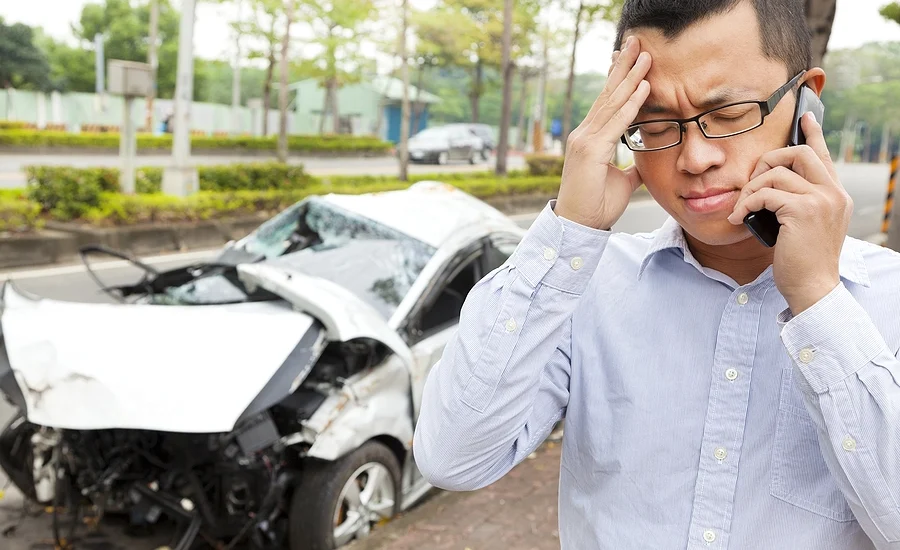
763, 223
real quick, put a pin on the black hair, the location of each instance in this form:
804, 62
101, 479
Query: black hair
782, 24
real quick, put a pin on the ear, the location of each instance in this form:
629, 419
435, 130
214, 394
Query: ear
815, 79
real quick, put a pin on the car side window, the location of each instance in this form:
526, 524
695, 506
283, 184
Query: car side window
444, 311
496, 251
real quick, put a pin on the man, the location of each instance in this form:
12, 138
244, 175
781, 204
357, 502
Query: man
716, 393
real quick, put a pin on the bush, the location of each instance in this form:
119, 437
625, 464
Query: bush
118, 209
14, 125
67, 193
20, 137
17, 214
545, 165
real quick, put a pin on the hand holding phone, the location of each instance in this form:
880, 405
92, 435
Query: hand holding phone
763, 223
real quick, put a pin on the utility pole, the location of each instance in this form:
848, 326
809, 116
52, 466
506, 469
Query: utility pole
404, 106
180, 179
505, 109
236, 75
152, 60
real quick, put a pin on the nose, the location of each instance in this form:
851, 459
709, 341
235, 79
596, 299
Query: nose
698, 154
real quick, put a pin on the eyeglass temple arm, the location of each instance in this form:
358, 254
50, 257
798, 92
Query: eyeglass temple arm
780, 93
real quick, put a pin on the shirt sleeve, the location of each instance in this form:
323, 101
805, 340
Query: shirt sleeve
503, 379
851, 385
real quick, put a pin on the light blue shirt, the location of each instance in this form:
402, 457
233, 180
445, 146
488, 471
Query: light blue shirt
698, 413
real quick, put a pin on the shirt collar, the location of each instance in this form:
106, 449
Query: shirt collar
670, 235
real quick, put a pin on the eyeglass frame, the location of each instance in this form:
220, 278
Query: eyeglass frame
766, 107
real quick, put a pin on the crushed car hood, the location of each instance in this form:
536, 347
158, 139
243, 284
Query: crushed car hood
192, 369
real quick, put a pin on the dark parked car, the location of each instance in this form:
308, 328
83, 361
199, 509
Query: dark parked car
485, 133
442, 144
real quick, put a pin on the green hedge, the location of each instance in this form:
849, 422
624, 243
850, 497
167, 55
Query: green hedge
17, 213
13, 125
301, 143
117, 209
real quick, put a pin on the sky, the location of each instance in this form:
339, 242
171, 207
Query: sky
856, 22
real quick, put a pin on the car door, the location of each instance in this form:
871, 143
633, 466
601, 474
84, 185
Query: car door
436, 318
459, 144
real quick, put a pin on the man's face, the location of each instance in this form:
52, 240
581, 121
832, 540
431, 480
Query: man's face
698, 181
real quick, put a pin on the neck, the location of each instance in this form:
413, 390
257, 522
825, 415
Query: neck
742, 261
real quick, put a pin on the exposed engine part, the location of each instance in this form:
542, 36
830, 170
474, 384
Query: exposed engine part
44, 443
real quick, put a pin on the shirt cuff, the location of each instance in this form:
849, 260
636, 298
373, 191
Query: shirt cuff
831, 340
558, 252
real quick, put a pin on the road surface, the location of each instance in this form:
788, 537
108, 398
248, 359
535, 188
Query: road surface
866, 184
12, 174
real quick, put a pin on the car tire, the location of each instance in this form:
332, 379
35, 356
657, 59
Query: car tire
486, 154
442, 158
319, 501
473, 157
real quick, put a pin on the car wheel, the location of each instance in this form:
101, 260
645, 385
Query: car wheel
442, 158
485, 154
337, 502
473, 157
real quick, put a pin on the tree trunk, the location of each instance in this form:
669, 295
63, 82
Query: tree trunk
267, 86
283, 89
819, 19
326, 108
404, 105
523, 106
335, 117
570, 84
506, 63
475, 94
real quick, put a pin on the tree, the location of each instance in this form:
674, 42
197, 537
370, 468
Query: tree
507, 67
22, 63
404, 107
262, 29
468, 32
819, 19
337, 28
283, 89
71, 69
586, 13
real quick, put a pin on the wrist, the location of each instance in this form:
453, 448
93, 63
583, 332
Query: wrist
593, 222
807, 296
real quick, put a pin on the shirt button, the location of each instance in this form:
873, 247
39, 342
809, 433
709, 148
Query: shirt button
731, 374
806, 355
549, 254
849, 443
709, 536
743, 298
511, 325
721, 453
577, 263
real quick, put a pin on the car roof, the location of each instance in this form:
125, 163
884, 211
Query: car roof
429, 211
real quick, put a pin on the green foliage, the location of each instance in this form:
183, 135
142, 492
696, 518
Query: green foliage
17, 214
545, 165
116, 209
891, 12
65, 193
296, 143
22, 64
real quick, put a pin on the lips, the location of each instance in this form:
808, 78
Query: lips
711, 200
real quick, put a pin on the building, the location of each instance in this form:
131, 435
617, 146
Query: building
370, 107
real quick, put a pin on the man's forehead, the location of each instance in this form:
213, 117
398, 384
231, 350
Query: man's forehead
662, 101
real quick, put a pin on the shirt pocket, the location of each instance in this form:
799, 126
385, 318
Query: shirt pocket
799, 474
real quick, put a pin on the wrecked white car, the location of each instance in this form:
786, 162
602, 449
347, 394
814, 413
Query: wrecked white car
267, 397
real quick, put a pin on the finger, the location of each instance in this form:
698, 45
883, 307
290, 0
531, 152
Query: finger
815, 138
612, 65
766, 198
801, 159
778, 177
611, 127
622, 94
621, 67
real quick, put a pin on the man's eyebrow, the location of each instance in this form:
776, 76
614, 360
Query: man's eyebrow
719, 98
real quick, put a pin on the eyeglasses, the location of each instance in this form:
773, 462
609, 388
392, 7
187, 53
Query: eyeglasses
721, 122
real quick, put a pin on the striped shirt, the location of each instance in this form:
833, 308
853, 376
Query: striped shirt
698, 412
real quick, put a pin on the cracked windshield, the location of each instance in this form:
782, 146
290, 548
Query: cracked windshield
449, 274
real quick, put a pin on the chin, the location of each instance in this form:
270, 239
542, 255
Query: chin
717, 233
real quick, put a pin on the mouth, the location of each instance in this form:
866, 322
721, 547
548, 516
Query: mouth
711, 200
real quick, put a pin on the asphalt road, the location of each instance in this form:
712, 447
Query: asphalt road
12, 166
866, 183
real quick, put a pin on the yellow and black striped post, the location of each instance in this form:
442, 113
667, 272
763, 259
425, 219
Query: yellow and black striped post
889, 206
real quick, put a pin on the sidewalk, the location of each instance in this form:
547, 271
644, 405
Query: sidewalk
518, 512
